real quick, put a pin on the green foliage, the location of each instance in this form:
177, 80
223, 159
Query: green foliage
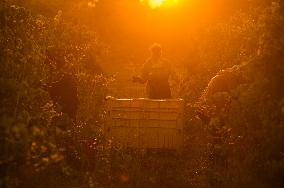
246, 134
36, 139
239, 143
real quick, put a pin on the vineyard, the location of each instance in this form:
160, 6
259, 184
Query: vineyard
227, 65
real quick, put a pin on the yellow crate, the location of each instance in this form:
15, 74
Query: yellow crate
145, 123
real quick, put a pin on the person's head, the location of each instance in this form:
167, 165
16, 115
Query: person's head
156, 50
55, 57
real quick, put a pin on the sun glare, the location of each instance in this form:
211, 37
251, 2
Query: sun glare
154, 3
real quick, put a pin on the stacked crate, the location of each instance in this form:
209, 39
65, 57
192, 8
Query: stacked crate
145, 123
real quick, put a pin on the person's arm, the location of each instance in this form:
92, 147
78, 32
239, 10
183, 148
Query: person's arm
172, 72
145, 71
144, 75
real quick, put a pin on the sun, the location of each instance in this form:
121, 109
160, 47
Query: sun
154, 3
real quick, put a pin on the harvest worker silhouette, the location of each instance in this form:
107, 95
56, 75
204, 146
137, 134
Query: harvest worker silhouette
63, 91
155, 74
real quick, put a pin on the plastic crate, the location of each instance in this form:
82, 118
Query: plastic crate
145, 123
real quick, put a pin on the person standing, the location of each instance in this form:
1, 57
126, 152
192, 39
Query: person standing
63, 91
155, 73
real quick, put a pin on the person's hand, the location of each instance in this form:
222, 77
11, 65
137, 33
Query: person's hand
136, 79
